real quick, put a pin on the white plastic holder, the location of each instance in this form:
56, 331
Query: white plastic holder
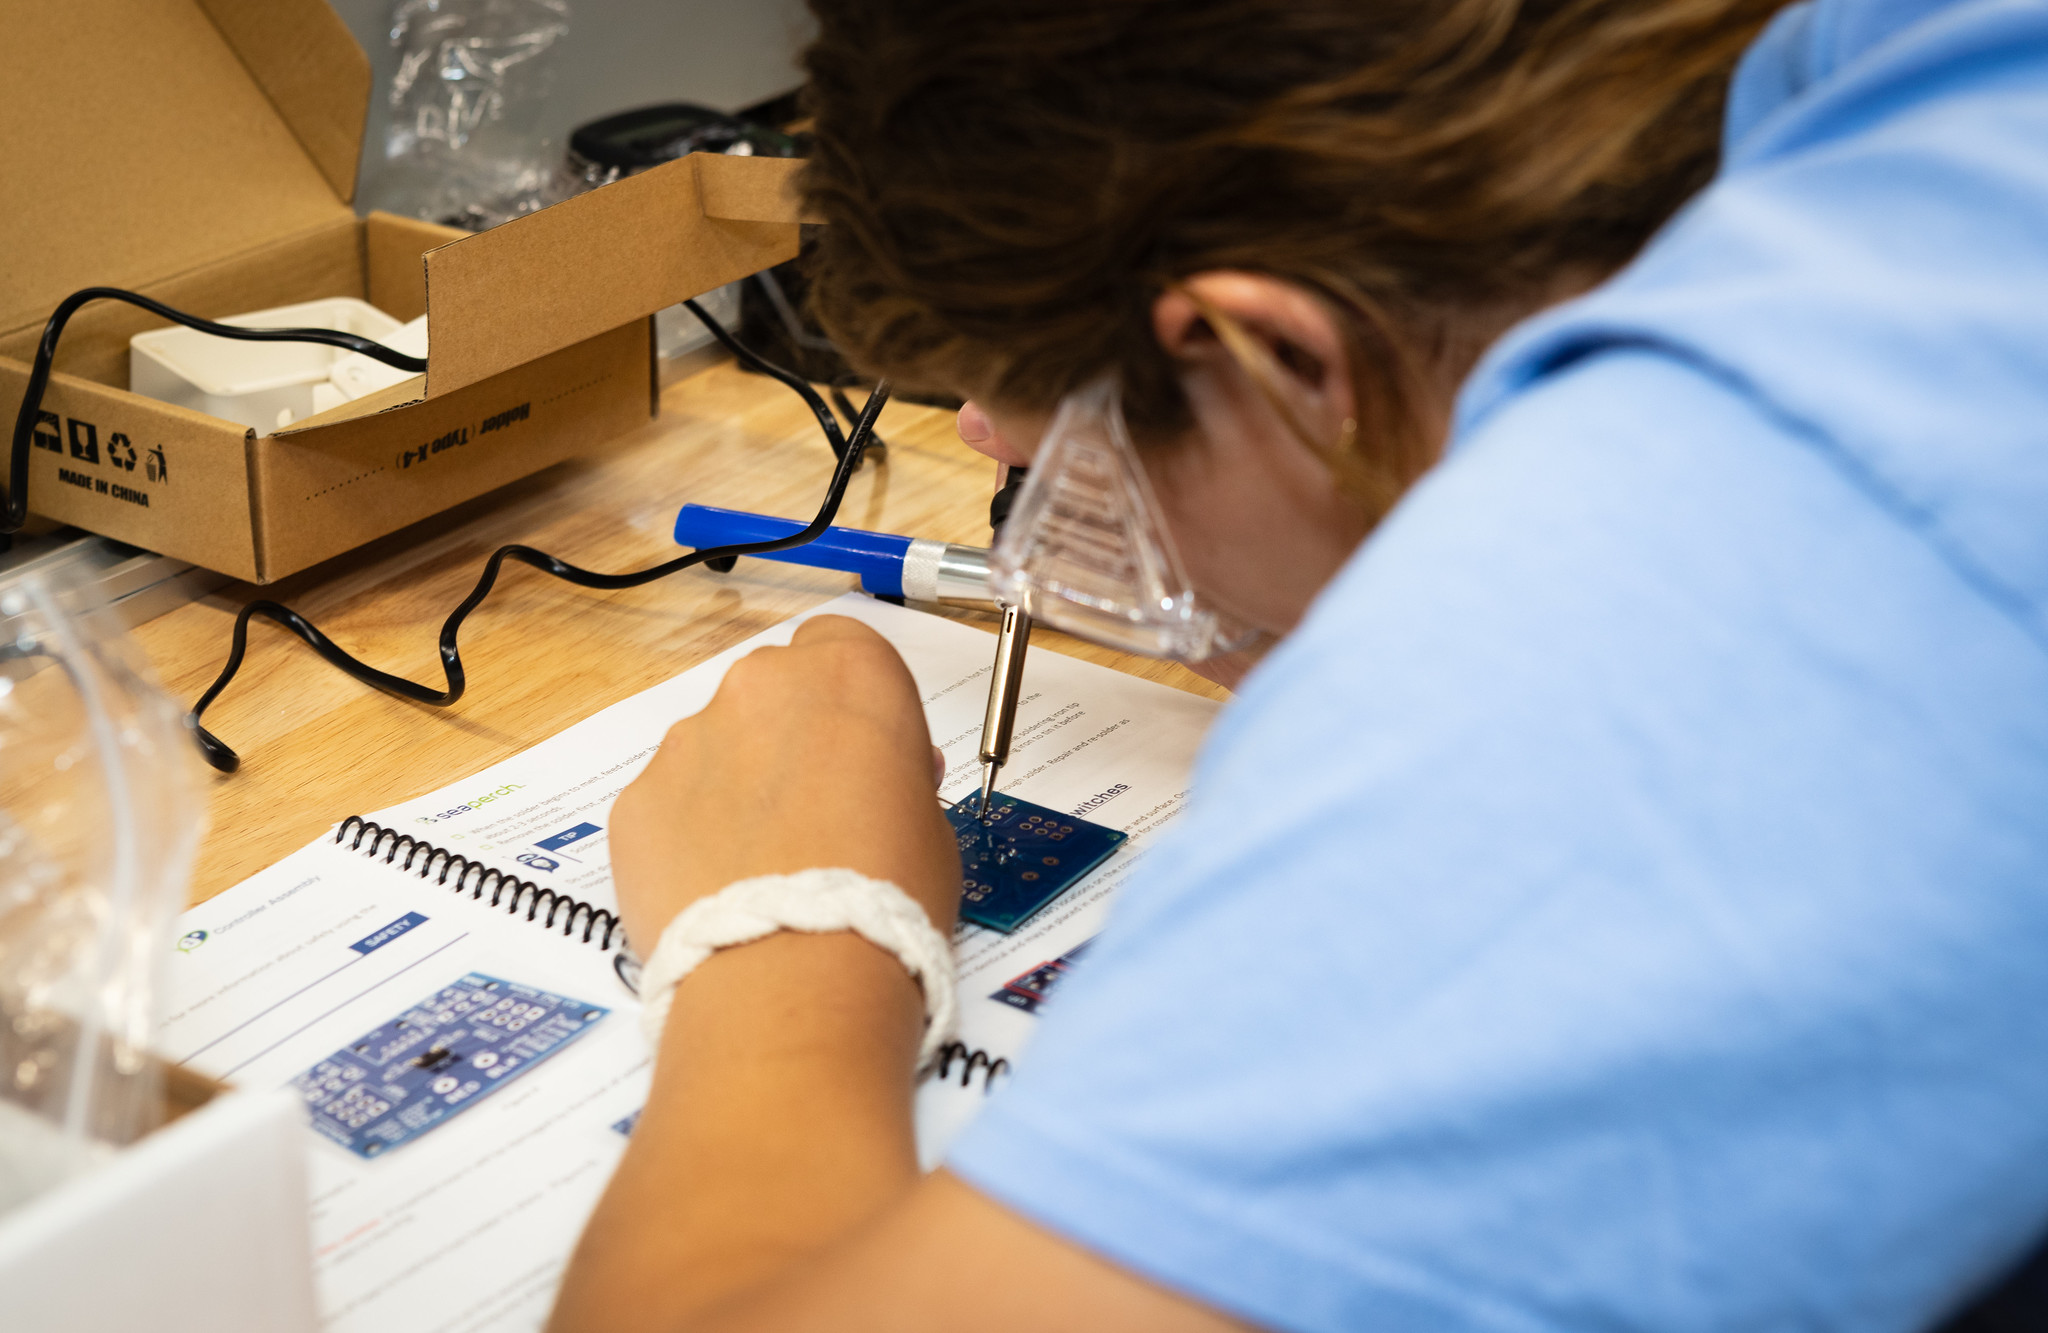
200, 1227
264, 386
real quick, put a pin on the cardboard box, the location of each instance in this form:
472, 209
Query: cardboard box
203, 152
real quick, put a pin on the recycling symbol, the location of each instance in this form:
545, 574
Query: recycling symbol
120, 452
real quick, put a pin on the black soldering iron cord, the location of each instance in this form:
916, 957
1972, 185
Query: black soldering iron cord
848, 449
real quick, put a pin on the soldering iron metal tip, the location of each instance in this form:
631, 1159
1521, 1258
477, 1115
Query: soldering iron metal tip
988, 787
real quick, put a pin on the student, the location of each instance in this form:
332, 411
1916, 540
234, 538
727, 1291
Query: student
1618, 900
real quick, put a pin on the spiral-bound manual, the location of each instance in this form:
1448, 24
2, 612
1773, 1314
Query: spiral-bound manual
481, 882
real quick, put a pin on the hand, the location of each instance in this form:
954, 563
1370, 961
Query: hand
980, 431
814, 755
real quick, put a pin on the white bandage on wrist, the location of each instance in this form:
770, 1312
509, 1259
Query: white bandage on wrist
817, 902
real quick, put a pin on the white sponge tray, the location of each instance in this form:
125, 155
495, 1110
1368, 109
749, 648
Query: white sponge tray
267, 386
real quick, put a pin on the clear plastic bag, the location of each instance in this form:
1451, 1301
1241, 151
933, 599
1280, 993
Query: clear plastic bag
100, 812
463, 145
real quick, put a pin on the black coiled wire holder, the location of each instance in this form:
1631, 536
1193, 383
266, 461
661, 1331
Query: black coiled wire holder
461, 874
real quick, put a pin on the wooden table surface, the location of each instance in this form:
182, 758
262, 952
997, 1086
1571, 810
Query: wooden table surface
542, 654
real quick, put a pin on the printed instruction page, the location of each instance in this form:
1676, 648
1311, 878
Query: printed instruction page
1090, 741
465, 1223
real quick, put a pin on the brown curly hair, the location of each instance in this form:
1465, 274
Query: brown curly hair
1009, 186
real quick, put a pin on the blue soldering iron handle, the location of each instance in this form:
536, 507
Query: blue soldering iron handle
876, 556
888, 565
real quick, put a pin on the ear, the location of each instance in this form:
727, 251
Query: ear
1300, 336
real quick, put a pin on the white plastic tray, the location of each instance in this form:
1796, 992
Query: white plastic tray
264, 386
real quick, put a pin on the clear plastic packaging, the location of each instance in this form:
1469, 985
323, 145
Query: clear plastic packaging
99, 818
1085, 548
463, 145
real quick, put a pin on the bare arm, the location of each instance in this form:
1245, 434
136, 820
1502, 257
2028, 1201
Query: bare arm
772, 1180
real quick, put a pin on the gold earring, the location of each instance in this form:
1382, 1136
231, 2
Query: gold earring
1347, 438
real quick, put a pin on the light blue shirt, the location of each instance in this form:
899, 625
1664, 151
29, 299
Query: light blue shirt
1624, 903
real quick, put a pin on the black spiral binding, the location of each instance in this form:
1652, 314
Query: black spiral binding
506, 890
941, 1066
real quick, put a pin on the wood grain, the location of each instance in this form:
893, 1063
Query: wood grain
542, 654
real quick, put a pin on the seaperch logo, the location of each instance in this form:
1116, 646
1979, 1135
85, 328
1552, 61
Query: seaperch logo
473, 803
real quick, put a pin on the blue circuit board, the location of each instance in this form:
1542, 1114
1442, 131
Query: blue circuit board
402, 1078
1021, 858
1035, 987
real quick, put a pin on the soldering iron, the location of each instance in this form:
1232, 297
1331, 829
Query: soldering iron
1012, 639
914, 568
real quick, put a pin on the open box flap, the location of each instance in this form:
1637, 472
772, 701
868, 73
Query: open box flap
146, 140
402, 394
317, 79
749, 189
600, 260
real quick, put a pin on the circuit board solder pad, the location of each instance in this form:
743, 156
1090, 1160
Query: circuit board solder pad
1021, 858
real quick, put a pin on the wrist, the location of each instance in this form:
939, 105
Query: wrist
779, 1112
793, 996
818, 901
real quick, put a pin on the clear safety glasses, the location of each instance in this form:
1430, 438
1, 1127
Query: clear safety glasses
1086, 548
